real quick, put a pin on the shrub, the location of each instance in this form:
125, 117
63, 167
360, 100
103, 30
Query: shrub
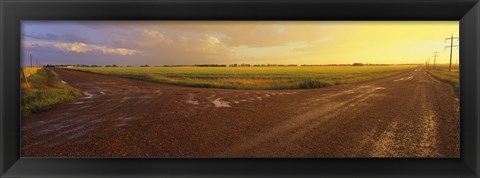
46, 90
313, 84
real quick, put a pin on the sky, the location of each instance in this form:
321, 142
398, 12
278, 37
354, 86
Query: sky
235, 42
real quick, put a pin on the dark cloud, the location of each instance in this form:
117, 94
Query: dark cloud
54, 37
194, 42
273, 33
42, 36
51, 55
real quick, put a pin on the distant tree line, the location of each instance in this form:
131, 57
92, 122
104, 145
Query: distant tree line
210, 65
77, 65
227, 65
261, 65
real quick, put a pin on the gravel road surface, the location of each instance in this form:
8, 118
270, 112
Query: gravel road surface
406, 115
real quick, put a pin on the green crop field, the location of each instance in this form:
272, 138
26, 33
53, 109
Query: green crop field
253, 77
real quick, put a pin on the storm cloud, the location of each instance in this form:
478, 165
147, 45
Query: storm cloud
222, 42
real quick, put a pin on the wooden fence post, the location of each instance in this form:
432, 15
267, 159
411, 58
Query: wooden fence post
24, 77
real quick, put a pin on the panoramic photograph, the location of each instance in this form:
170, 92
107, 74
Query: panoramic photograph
240, 89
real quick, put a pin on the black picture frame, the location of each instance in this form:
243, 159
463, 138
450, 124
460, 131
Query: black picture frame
13, 11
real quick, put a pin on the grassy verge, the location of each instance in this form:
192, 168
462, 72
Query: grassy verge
451, 78
253, 77
45, 90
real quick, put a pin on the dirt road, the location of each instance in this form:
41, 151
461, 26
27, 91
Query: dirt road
407, 115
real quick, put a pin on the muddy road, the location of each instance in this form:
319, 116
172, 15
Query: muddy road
406, 115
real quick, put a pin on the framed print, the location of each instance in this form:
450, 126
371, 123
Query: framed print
239, 88
304, 90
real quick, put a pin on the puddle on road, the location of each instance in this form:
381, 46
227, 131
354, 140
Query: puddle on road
411, 77
367, 94
193, 102
405, 78
87, 95
218, 103
401, 79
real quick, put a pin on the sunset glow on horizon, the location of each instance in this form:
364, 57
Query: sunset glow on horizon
236, 42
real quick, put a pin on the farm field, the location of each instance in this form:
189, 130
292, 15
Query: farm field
299, 77
239, 89
451, 77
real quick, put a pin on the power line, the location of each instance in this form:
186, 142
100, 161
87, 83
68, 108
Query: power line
451, 49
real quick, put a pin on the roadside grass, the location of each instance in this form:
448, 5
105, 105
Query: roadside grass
45, 91
273, 78
441, 73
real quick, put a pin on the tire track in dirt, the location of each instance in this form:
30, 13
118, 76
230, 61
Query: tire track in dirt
406, 115
301, 124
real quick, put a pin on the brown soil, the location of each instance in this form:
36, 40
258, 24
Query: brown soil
407, 115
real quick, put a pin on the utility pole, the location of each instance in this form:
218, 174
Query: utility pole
451, 49
31, 64
24, 78
434, 59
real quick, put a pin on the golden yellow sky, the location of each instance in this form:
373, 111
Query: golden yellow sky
368, 42
228, 42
